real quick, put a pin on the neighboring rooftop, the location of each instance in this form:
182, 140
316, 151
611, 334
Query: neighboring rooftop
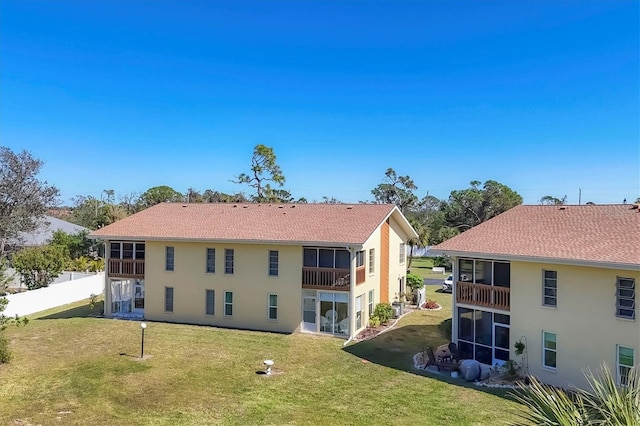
600, 234
286, 223
45, 231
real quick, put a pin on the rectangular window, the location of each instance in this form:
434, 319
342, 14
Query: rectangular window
626, 298
211, 260
625, 360
402, 253
549, 350
359, 311
168, 299
370, 303
115, 251
272, 307
210, 302
550, 288
228, 261
273, 263
359, 259
168, 258
372, 261
228, 303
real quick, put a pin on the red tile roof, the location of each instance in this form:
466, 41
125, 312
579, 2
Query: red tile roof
304, 223
607, 234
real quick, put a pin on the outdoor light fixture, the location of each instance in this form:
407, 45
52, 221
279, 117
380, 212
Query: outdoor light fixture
143, 325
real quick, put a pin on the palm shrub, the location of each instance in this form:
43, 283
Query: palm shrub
606, 404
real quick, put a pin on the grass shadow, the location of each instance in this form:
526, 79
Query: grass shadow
81, 311
396, 348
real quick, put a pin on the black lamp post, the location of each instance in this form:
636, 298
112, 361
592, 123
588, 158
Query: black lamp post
143, 325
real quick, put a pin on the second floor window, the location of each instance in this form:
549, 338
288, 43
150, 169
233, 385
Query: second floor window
211, 260
273, 263
403, 255
372, 261
550, 288
228, 261
359, 259
169, 258
626, 298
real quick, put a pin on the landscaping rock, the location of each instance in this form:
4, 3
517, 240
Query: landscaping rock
470, 370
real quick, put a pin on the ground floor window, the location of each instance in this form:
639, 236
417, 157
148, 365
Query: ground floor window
625, 361
549, 349
210, 298
370, 303
228, 303
359, 308
168, 299
483, 335
334, 312
272, 307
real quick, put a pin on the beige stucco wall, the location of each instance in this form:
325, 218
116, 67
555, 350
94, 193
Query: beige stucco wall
250, 284
584, 321
397, 269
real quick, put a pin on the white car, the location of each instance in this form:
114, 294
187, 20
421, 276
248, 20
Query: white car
447, 285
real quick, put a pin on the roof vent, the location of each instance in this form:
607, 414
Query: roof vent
349, 208
245, 207
281, 207
292, 206
562, 208
184, 205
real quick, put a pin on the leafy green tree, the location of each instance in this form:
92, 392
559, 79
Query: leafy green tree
157, 195
469, 207
211, 196
398, 190
39, 266
24, 198
414, 281
77, 245
549, 200
5, 278
264, 172
606, 404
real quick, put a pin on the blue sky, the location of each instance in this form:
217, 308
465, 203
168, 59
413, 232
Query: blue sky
542, 96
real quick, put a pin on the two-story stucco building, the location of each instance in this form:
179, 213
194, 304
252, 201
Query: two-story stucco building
279, 267
560, 279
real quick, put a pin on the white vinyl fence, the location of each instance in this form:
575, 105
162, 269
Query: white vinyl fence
59, 294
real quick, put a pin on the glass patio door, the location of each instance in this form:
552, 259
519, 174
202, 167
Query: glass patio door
334, 313
138, 297
309, 314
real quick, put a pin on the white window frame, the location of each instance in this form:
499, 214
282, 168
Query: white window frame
169, 253
544, 349
358, 310
403, 253
206, 302
225, 304
620, 378
229, 261
547, 280
372, 261
166, 289
270, 307
631, 300
360, 262
273, 263
371, 303
210, 260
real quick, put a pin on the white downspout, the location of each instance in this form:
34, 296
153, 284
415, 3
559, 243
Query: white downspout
352, 292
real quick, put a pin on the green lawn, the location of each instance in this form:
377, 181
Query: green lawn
69, 368
422, 266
